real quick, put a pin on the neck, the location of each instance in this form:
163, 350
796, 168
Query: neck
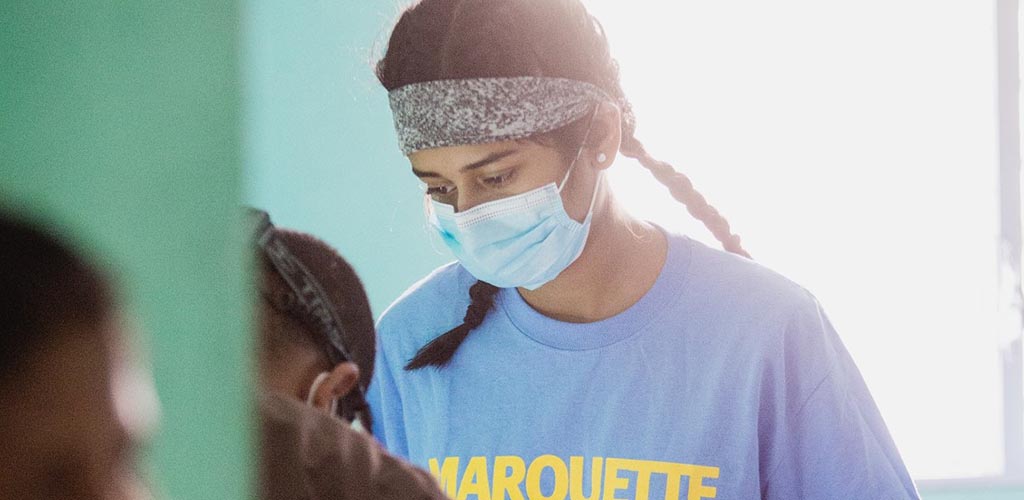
617, 242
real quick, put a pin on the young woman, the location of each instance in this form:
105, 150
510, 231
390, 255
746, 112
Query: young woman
575, 351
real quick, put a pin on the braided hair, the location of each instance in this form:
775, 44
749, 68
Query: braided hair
454, 39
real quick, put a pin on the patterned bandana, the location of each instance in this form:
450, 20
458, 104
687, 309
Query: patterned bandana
444, 113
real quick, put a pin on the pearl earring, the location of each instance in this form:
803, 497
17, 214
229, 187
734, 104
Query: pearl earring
601, 158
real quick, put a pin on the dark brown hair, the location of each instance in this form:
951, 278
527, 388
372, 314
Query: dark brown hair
288, 323
46, 290
454, 39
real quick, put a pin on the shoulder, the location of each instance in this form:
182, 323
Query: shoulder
736, 284
328, 459
429, 307
754, 309
744, 306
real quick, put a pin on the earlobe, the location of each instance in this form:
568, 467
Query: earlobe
608, 144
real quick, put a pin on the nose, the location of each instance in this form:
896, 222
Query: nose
466, 201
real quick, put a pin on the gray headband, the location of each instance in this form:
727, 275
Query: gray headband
444, 113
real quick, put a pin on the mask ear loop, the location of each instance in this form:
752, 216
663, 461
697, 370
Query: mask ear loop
579, 152
316, 385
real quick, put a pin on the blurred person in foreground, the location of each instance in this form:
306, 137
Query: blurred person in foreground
76, 406
315, 357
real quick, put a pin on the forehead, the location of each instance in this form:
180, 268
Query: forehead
452, 161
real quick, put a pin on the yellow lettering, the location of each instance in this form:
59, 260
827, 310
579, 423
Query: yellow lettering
447, 474
509, 472
644, 469
561, 478
643, 479
474, 480
697, 473
576, 478
612, 481
672, 484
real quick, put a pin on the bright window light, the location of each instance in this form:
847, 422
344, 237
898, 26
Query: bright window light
853, 147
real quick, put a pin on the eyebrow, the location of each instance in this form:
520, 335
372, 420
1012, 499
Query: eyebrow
487, 160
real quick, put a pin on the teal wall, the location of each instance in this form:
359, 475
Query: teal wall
321, 153
121, 120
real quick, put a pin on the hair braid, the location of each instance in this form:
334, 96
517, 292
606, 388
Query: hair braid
681, 188
440, 350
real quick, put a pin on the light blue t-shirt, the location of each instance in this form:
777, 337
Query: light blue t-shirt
724, 381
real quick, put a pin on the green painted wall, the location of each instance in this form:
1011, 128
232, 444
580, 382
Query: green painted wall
122, 121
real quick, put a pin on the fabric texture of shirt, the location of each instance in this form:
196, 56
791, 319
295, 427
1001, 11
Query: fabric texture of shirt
725, 380
306, 454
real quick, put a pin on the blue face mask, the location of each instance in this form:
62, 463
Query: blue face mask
524, 240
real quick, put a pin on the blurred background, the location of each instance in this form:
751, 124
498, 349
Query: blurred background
870, 151
122, 122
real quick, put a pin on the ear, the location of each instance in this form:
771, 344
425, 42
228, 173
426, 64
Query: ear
604, 144
339, 382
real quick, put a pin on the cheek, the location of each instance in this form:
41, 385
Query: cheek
88, 417
579, 191
106, 462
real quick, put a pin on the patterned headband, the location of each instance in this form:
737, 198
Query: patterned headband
444, 113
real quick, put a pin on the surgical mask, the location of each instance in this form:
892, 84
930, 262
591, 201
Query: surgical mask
312, 392
524, 240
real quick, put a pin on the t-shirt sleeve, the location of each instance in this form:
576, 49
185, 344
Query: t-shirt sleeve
822, 436
385, 403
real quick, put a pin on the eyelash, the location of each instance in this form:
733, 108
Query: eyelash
439, 190
499, 180
495, 181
